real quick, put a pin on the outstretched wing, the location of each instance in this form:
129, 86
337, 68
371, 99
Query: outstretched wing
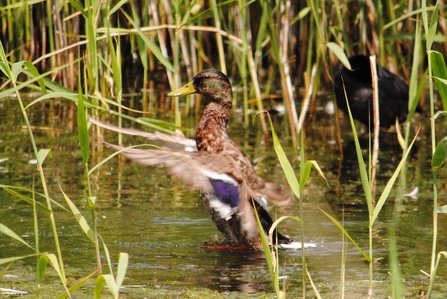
201, 171
220, 176
174, 141
192, 168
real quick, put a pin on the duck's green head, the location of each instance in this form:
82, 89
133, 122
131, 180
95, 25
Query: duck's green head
212, 83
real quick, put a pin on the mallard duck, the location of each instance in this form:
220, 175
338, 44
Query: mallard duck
393, 93
230, 187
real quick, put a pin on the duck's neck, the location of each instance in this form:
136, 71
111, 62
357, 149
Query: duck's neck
211, 132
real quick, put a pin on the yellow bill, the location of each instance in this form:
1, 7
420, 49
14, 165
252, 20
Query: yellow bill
186, 89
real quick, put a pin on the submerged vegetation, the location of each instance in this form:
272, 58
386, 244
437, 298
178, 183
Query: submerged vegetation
89, 52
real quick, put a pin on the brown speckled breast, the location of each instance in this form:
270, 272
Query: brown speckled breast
211, 133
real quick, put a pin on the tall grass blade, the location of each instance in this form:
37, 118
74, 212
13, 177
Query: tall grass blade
112, 283
55, 264
432, 28
219, 41
342, 229
92, 68
16, 69
344, 253
42, 155
7, 231
433, 274
340, 53
314, 287
123, 262
285, 164
81, 219
362, 166
99, 286
305, 173
107, 254
440, 74
27, 199
278, 221
116, 7
94, 168
5, 269
386, 191
78, 284
269, 255
42, 263
82, 129
396, 275
78, 7
4, 67
416, 84
411, 14
440, 154
15, 258
35, 74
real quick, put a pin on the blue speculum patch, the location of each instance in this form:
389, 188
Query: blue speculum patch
226, 192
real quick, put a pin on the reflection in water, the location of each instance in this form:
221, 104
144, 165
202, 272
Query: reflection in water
237, 271
162, 225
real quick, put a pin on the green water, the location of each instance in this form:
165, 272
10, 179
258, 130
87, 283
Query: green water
163, 226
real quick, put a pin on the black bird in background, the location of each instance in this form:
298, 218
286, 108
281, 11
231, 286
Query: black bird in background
393, 93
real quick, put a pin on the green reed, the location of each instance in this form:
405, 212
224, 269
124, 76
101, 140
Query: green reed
12, 72
175, 35
171, 36
297, 185
90, 97
436, 72
374, 208
367, 175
